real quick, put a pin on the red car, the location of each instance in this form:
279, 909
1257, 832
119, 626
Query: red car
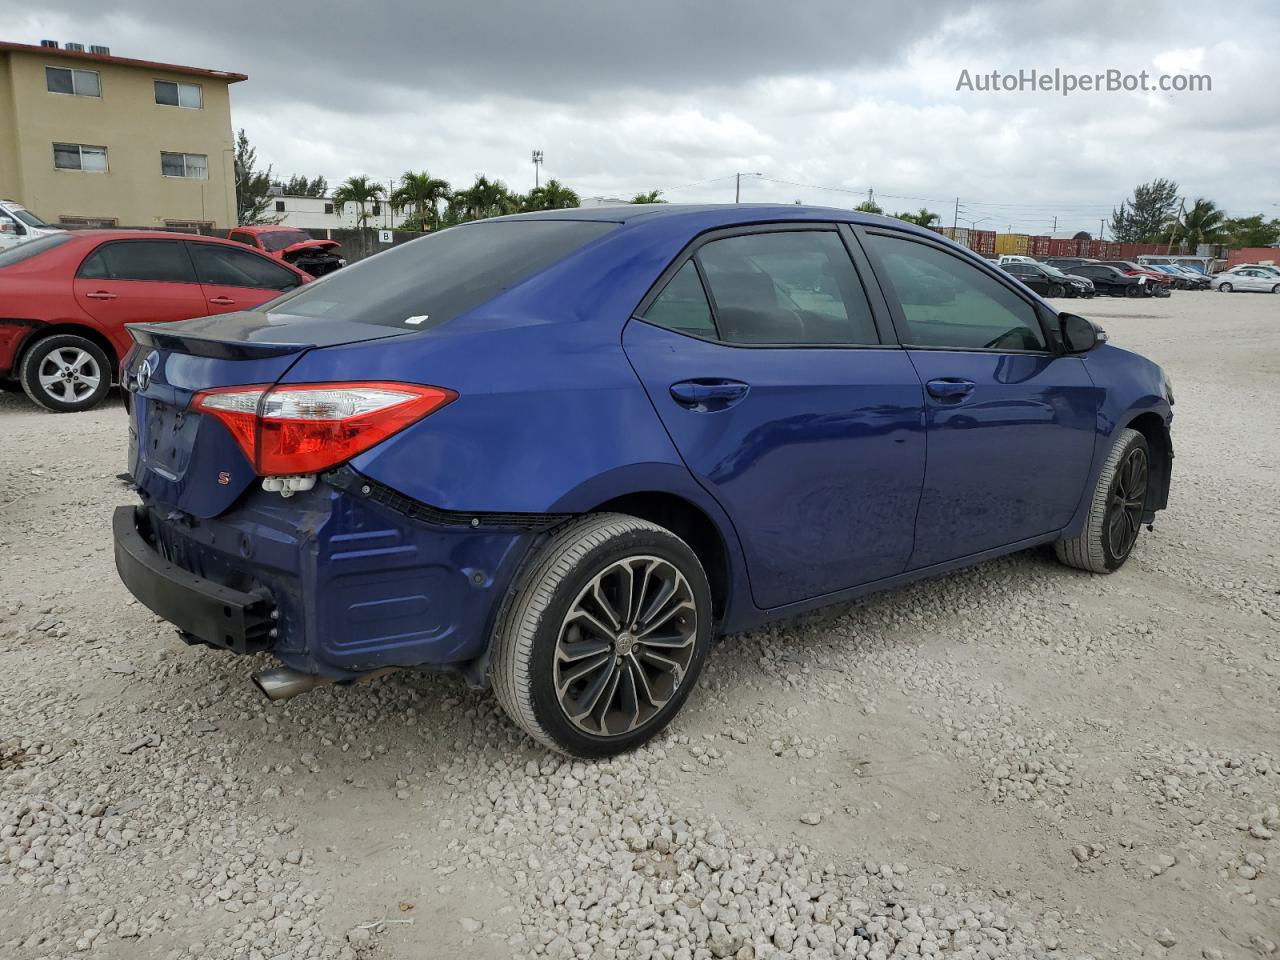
65, 298
316, 257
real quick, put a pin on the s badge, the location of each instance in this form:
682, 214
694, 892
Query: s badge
224, 478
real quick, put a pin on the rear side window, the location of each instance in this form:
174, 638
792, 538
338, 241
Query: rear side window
160, 261
949, 303
229, 267
32, 248
429, 281
797, 287
682, 306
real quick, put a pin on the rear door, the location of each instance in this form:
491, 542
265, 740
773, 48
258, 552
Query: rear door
1029, 275
1011, 423
761, 353
138, 281
234, 279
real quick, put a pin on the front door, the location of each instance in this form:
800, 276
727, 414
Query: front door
1011, 423
762, 358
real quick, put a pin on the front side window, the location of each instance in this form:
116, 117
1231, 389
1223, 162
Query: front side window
80, 156
796, 287
76, 83
194, 166
682, 305
160, 261
949, 303
221, 266
172, 94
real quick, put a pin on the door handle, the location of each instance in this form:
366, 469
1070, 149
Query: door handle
100, 295
222, 301
950, 388
708, 394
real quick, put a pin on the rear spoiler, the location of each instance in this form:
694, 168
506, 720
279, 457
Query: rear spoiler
165, 337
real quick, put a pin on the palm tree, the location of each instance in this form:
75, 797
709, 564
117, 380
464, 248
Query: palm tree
653, 196
1203, 223
484, 198
922, 217
552, 195
421, 193
359, 190
869, 206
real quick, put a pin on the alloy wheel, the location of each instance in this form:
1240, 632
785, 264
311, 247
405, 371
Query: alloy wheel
625, 646
1128, 500
69, 374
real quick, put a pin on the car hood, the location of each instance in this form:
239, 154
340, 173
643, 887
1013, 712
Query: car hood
316, 245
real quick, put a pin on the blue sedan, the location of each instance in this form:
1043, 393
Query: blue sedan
559, 453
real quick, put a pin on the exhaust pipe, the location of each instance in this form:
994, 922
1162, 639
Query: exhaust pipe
282, 683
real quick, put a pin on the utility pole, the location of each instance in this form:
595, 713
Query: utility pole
1102, 229
737, 187
537, 165
955, 219
1055, 224
871, 196
1182, 205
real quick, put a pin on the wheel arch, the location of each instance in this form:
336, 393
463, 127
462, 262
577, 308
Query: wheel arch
1152, 427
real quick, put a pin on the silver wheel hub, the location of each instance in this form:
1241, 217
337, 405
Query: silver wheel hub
69, 374
625, 646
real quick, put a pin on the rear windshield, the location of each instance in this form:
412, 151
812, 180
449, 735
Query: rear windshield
432, 280
31, 248
279, 239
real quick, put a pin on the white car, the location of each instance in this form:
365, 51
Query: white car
18, 225
1252, 279
1268, 268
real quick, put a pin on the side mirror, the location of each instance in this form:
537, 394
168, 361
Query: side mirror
1078, 334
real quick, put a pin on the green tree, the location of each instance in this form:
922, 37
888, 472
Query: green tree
361, 191
1144, 217
1201, 224
869, 206
552, 195
1255, 231
300, 186
423, 194
922, 217
484, 198
653, 196
253, 187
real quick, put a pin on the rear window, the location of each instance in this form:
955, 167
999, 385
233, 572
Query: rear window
31, 248
432, 280
279, 239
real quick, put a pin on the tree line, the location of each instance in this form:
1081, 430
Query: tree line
1157, 214
431, 203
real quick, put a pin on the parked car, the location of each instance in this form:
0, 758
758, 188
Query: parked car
1049, 281
1107, 279
18, 225
1065, 263
1014, 258
293, 246
1183, 279
67, 296
1158, 284
533, 450
1267, 268
1250, 280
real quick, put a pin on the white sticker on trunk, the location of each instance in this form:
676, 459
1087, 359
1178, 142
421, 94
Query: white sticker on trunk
417, 320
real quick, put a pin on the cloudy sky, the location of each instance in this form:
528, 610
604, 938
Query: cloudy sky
827, 99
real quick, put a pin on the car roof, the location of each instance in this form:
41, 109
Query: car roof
715, 214
268, 228
97, 236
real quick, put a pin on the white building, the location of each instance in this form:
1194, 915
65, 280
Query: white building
317, 213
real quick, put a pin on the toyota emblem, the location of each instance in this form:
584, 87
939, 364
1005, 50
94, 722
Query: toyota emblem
143, 378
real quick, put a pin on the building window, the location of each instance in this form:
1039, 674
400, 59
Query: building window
97, 223
279, 206
171, 94
76, 83
328, 208
194, 166
190, 226
80, 156
377, 209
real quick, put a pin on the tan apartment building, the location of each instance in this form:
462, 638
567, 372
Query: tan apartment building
91, 138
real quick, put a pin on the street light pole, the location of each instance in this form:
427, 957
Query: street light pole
537, 165
737, 188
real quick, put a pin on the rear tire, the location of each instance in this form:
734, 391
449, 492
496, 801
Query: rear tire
1276, 288
1115, 515
1224, 288
65, 373
1133, 290
604, 636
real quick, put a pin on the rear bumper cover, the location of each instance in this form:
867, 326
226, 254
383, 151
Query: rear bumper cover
354, 584
200, 608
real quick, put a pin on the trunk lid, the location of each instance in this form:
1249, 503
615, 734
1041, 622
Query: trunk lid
182, 458
310, 245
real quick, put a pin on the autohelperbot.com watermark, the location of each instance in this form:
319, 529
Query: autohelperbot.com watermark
1066, 82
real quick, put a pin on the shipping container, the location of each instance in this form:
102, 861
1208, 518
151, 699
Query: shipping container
983, 242
1013, 244
1111, 251
1064, 248
1039, 246
959, 234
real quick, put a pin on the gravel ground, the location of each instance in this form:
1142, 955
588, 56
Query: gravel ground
1015, 761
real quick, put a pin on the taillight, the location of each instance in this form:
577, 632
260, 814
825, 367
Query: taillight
309, 427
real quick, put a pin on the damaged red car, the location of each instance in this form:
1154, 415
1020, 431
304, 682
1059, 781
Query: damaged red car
293, 246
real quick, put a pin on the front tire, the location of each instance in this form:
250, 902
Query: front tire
1115, 515
65, 373
604, 636
1056, 290
1224, 288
